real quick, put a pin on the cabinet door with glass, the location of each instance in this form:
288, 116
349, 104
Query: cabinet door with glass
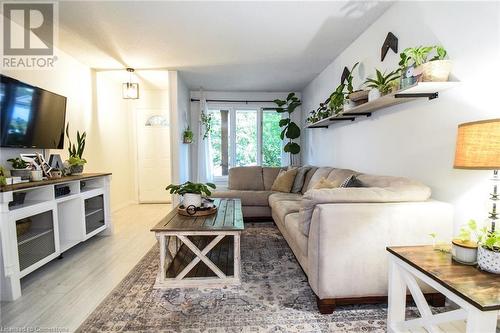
94, 214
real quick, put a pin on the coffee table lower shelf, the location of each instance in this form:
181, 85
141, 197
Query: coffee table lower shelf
211, 263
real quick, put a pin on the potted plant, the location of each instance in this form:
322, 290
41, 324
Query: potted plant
187, 136
464, 247
76, 160
3, 176
438, 68
191, 192
20, 168
290, 129
354, 97
488, 256
382, 84
336, 100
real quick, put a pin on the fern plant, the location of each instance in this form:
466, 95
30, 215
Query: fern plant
18, 163
383, 82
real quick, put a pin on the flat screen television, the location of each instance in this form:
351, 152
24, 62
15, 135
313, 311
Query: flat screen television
30, 117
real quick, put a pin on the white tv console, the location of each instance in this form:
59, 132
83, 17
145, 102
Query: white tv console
50, 221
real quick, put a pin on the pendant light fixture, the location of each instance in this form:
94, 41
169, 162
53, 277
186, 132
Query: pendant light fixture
130, 90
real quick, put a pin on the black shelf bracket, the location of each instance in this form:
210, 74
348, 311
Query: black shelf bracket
317, 126
368, 114
342, 118
418, 95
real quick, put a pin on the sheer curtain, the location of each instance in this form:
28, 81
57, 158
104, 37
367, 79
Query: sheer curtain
205, 173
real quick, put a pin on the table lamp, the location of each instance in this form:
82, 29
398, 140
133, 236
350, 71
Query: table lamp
478, 148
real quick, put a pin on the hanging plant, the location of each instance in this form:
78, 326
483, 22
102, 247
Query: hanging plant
290, 130
206, 120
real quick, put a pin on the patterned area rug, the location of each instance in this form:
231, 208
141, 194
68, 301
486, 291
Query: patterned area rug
274, 297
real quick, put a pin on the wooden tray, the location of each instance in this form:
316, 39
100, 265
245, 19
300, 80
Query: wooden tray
183, 211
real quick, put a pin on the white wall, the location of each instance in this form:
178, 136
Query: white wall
94, 105
417, 139
232, 95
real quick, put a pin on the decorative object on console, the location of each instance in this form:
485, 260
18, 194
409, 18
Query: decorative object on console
187, 136
130, 90
76, 160
55, 161
36, 175
478, 147
191, 192
3, 178
20, 168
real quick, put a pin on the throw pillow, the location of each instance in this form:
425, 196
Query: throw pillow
299, 179
325, 183
352, 181
284, 181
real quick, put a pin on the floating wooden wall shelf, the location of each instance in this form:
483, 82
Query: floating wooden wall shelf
429, 90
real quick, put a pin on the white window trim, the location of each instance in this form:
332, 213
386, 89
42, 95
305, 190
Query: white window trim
232, 132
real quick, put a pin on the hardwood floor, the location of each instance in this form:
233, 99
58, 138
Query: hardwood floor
64, 292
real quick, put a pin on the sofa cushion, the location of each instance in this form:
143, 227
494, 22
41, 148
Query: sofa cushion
326, 183
307, 178
322, 172
282, 208
298, 183
246, 178
269, 174
293, 227
248, 198
284, 181
340, 175
276, 197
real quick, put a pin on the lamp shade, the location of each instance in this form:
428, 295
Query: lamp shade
478, 145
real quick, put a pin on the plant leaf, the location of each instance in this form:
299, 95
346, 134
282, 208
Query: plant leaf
284, 122
293, 131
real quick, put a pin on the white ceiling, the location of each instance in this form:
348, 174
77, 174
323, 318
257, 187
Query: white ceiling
233, 46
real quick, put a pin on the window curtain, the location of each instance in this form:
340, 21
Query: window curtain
205, 173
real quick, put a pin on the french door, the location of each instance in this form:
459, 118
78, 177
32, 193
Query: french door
244, 136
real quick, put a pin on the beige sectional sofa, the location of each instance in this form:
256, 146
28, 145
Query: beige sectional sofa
339, 235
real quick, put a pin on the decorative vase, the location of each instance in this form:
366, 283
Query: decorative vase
373, 94
436, 71
23, 173
187, 140
488, 260
36, 175
464, 252
76, 170
191, 199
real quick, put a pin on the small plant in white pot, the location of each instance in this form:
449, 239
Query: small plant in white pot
191, 192
382, 84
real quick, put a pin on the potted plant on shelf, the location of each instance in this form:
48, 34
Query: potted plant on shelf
382, 84
187, 136
464, 247
20, 168
76, 160
336, 100
438, 69
191, 192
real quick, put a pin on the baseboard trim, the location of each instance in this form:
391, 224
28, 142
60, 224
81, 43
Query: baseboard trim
328, 305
